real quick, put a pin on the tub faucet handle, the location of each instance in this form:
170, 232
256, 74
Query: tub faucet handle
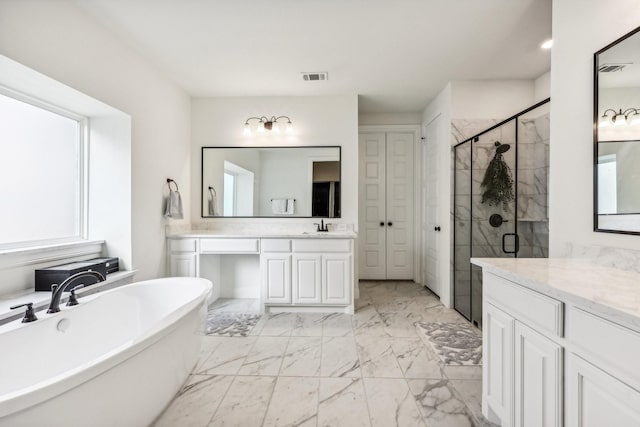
29, 314
73, 300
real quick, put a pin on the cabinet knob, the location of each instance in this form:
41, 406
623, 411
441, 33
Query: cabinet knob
381, 223
437, 228
389, 223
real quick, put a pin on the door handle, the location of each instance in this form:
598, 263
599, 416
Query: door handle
381, 223
389, 223
516, 243
437, 228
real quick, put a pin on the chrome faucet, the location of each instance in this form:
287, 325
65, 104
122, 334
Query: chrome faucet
57, 290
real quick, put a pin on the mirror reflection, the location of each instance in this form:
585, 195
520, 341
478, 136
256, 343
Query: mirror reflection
271, 182
617, 136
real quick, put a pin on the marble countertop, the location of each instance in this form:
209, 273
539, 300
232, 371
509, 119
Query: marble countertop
609, 292
280, 234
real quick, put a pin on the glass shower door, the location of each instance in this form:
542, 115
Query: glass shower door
462, 229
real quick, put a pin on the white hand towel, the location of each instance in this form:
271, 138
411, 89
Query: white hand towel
213, 206
290, 203
279, 206
173, 208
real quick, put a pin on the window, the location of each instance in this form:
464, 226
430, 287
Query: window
42, 173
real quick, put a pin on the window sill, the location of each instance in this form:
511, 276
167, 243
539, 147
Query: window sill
19, 257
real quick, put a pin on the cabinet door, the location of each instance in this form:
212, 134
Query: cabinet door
184, 265
276, 277
538, 379
307, 278
595, 398
497, 363
336, 279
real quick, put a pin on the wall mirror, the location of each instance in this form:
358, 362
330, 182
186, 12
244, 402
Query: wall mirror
284, 182
617, 136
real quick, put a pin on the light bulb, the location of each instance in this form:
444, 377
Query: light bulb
289, 127
604, 122
619, 120
261, 127
247, 129
547, 44
275, 128
635, 120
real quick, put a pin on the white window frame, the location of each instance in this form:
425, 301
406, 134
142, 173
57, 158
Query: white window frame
83, 169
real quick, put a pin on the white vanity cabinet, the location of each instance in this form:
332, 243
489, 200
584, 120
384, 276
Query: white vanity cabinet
183, 257
320, 272
559, 348
522, 367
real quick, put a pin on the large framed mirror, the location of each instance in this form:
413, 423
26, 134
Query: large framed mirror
617, 136
271, 182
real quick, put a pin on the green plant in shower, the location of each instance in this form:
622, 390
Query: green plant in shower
497, 182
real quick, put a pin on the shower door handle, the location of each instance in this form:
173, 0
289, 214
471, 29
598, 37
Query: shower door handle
516, 242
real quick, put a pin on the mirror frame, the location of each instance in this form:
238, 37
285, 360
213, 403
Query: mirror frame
339, 147
596, 117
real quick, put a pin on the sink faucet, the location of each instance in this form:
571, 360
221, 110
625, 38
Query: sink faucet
322, 226
57, 290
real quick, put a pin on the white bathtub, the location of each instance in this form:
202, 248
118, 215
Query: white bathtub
122, 357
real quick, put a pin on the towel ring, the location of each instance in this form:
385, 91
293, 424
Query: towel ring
213, 192
169, 181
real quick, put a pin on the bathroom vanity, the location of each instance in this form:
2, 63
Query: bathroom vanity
305, 271
561, 340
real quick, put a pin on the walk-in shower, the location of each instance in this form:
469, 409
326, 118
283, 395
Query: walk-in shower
500, 200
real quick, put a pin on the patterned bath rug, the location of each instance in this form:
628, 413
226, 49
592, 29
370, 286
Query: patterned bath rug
454, 343
230, 324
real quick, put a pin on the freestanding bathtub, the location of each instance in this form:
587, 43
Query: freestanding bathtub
117, 359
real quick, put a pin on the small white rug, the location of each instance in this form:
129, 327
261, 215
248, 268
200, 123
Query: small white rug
230, 324
454, 343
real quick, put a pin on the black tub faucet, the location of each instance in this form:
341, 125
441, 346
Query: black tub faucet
70, 282
322, 226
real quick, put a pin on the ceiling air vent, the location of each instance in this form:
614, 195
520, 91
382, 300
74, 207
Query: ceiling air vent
610, 68
311, 77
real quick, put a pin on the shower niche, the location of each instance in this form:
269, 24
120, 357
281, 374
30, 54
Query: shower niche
500, 181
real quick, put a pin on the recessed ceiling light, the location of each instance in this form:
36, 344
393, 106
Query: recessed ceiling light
547, 44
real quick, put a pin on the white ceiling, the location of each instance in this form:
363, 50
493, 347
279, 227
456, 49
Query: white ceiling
396, 54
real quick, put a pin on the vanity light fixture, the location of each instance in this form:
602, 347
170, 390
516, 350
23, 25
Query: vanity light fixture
620, 118
268, 124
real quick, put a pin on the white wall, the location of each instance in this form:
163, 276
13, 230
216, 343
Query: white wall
490, 99
542, 87
331, 120
60, 41
389, 119
576, 36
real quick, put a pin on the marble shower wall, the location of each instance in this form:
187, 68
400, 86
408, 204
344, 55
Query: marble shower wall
483, 240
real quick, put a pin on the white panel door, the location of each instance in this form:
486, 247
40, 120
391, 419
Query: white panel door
497, 356
538, 379
372, 203
595, 398
307, 278
430, 199
336, 279
276, 277
184, 265
400, 197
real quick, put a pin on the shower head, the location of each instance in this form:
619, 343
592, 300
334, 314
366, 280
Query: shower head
502, 148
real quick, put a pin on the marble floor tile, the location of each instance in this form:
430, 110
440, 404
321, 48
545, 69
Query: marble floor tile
439, 404
278, 324
237, 305
463, 372
337, 325
245, 403
470, 391
265, 357
363, 301
196, 403
397, 325
415, 360
436, 314
377, 359
294, 402
367, 321
308, 325
342, 403
339, 357
227, 358
391, 403
207, 347
302, 358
